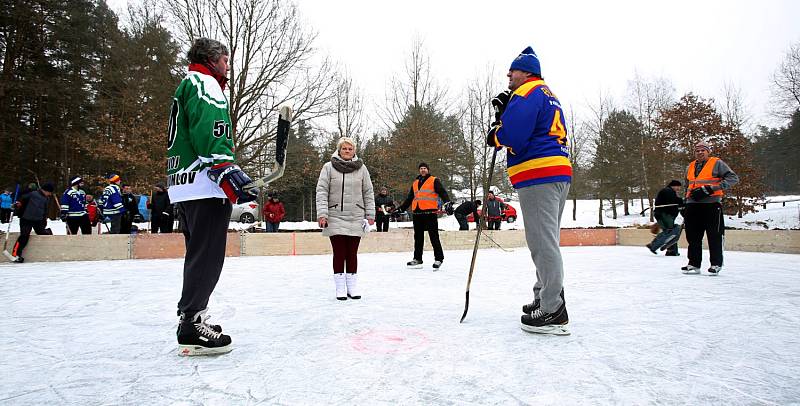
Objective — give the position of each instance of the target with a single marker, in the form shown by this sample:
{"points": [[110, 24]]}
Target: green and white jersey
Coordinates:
{"points": [[199, 138]]}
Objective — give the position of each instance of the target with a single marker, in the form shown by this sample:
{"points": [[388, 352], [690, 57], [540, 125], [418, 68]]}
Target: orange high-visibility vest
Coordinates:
{"points": [[703, 178], [425, 197]]}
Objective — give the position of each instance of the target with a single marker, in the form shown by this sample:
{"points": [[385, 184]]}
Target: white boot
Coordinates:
{"points": [[352, 287], [341, 289]]}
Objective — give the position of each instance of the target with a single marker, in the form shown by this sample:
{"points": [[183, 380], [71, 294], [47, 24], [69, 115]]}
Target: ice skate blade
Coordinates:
{"points": [[414, 266], [194, 350], [354, 297], [691, 271], [553, 329]]}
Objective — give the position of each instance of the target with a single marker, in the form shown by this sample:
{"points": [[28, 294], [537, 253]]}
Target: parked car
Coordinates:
{"points": [[508, 215], [245, 212]]}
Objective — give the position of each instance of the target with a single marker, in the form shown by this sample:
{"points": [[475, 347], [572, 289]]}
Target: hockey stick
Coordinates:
{"points": [[281, 141], [496, 243], [479, 227], [658, 207], [8, 230]]}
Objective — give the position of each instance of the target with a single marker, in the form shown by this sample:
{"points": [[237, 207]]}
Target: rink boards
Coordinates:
{"points": [[147, 246]]}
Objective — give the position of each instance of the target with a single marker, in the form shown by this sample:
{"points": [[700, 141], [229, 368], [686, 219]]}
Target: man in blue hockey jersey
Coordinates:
{"points": [[73, 208]]}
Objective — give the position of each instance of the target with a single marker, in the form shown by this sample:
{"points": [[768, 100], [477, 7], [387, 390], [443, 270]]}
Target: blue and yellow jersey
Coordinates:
{"points": [[533, 130]]}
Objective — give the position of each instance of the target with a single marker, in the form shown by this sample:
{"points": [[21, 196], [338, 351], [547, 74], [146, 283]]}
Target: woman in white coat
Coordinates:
{"points": [[345, 210]]}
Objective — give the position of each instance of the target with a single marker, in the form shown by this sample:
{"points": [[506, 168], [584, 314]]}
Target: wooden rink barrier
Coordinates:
{"points": [[53, 248]]}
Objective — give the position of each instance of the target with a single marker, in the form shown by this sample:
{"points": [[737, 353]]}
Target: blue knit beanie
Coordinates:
{"points": [[527, 61]]}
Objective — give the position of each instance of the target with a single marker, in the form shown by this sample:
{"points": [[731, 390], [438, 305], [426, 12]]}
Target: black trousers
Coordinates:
{"points": [[126, 224], [161, 224], [25, 227], [493, 224], [116, 224], [462, 222], [205, 230], [79, 223], [704, 218], [427, 222], [382, 222], [5, 215]]}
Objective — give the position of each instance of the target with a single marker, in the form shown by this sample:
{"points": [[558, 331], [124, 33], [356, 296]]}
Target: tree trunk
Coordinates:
{"points": [[574, 209], [641, 202], [625, 201], [600, 213], [614, 207]]}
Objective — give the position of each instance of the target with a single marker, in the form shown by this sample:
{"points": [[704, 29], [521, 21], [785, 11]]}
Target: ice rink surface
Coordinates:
{"points": [[90, 333]]}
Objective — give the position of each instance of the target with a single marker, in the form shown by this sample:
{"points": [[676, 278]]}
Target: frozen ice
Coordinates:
{"points": [[90, 333]]}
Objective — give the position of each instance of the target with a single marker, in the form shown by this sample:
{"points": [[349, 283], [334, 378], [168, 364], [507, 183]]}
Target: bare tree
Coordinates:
{"points": [[786, 82], [348, 106], [600, 110], [734, 112], [476, 116], [414, 87], [272, 62], [579, 151], [647, 97]]}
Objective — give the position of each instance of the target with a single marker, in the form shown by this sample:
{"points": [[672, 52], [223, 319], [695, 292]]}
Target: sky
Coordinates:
{"points": [[584, 46]]}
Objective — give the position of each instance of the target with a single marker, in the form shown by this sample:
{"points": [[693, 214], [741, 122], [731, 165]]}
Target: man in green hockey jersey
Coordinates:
{"points": [[204, 182]]}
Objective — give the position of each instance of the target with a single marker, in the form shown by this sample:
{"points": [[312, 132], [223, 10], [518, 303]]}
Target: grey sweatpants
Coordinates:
{"points": [[542, 206]]}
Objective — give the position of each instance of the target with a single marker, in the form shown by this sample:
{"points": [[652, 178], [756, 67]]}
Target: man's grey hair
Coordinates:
{"points": [[206, 49]]}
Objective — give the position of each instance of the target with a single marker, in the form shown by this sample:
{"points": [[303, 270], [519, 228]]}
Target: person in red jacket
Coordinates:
{"points": [[273, 213], [91, 209]]}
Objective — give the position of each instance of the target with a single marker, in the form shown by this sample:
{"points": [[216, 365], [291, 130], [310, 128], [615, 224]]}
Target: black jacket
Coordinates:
{"points": [[385, 201], [161, 205], [437, 187], [668, 196], [494, 208], [467, 207], [34, 206], [130, 203]]}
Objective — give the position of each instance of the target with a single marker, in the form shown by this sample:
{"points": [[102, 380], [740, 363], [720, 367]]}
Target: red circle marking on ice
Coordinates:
{"points": [[388, 341]]}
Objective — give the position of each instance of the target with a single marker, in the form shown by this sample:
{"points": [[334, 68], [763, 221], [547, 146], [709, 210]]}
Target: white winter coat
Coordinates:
{"points": [[345, 199]]}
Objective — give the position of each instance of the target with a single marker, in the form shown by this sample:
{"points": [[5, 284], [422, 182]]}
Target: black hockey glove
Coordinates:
{"points": [[491, 139], [448, 208], [701, 193], [500, 102], [232, 181]]}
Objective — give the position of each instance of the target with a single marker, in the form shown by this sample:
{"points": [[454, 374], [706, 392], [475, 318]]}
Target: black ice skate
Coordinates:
{"points": [[437, 265], [532, 306], [198, 338], [540, 322], [690, 270], [414, 264], [714, 270]]}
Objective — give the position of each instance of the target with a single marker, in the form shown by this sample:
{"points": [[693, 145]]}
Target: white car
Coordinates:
{"points": [[245, 212]]}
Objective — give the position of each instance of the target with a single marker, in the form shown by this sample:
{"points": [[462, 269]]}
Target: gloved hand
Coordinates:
{"points": [[701, 193], [63, 217], [500, 102], [233, 181], [448, 208], [490, 136]]}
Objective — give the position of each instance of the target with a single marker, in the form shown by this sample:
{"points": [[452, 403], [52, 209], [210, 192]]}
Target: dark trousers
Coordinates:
{"points": [[462, 222], [704, 218], [345, 253], [205, 223], [427, 222], [272, 227], [382, 222], [161, 224], [5, 215], [666, 222], [493, 224], [25, 227], [79, 223], [116, 224], [126, 225]]}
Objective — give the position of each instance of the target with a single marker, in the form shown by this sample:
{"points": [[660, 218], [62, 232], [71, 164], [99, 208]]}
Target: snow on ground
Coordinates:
{"points": [[775, 216], [89, 333]]}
